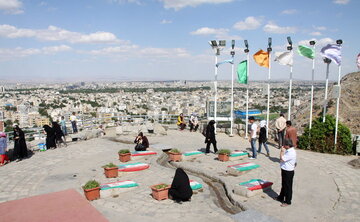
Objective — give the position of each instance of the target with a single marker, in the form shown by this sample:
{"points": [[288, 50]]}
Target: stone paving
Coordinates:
{"points": [[325, 186]]}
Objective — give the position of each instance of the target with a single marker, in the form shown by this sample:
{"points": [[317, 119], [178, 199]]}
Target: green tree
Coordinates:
{"points": [[321, 137]]}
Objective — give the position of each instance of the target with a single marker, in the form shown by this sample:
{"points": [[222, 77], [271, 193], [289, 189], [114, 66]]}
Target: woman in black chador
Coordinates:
{"points": [[20, 148], [50, 137], [180, 188], [58, 134], [210, 137]]}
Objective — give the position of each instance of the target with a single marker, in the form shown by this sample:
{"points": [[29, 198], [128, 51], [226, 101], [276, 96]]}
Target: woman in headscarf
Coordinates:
{"points": [[50, 137], [181, 122], [20, 148], [180, 188], [58, 134], [263, 138], [142, 143], [210, 137], [3, 147]]}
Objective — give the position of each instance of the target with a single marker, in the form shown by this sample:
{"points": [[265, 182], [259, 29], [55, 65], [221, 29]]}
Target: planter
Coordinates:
{"points": [[160, 194], [111, 172], [176, 157], [223, 157], [124, 157], [92, 194]]}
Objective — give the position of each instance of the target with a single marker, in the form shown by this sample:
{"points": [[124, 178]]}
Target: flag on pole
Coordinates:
{"points": [[333, 52], [262, 58], [284, 58], [242, 72], [358, 61], [306, 51], [231, 61]]}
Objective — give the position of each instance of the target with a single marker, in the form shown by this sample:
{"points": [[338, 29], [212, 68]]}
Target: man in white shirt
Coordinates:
{"points": [[280, 125], [287, 165], [252, 139], [73, 122]]}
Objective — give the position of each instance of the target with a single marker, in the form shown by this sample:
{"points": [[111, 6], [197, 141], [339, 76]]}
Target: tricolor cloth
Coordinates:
{"points": [[238, 153], [244, 166], [333, 52], [143, 153], [256, 184], [131, 167], [284, 58], [192, 153], [262, 58], [195, 185], [306, 51], [118, 184]]}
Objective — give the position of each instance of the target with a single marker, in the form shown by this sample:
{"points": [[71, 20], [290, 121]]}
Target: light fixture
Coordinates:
{"points": [[246, 46], [269, 49], [339, 41], [222, 43], [327, 61], [290, 43], [312, 42]]}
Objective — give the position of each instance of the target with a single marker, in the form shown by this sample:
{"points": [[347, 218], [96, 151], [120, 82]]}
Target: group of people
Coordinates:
{"points": [[193, 122], [54, 135], [20, 148]]}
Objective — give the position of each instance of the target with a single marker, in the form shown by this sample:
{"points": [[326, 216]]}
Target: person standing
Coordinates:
{"points": [[210, 137], [59, 135], [263, 138], [194, 122], [50, 137], [73, 122], [291, 133], [287, 165], [280, 125], [63, 125], [181, 122], [20, 148], [252, 139], [3, 148]]}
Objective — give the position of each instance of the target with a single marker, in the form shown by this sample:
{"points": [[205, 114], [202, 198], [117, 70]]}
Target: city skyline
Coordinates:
{"points": [[138, 40]]}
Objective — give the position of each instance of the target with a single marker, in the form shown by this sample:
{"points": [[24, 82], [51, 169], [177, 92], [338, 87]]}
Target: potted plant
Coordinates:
{"points": [[124, 155], [175, 155], [223, 155], [111, 170], [92, 190], [160, 191]]}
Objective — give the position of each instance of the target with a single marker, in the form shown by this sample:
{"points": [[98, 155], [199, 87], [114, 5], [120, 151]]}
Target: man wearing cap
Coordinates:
{"points": [[280, 125]]}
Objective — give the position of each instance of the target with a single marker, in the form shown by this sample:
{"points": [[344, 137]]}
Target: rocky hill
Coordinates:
{"points": [[349, 111]]}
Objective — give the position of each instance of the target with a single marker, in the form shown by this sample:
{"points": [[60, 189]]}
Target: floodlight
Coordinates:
{"points": [[312, 42], [232, 53], [213, 43], [246, 44], [327, 61], [222, 43], [339, 41], [289, 40], [269, 42], [233, 44]]}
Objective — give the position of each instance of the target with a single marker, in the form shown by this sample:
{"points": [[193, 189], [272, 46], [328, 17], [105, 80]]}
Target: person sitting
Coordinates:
{"points": [[142, 143], [181, 122], [194, 122], [180, 188]]}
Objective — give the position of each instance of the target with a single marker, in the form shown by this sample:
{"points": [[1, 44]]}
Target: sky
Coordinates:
{"points": [[121, 40]]}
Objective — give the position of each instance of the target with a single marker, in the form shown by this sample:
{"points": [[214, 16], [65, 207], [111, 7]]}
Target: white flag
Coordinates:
{"points": [[333, 52], [284, 58]]}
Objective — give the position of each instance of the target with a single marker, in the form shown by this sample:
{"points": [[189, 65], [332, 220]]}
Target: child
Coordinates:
{"points": [[3, 146], [262, 137]]}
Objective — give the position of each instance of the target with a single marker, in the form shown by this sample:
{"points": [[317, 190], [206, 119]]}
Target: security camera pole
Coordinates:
{"points": [[232, 53], [312, 85], [269, 49], [247, 87], [339, 42], [327, 61], [291, 73]]}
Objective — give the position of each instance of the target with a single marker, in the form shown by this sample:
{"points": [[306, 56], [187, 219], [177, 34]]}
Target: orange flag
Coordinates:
{"points": [[262, 58]]}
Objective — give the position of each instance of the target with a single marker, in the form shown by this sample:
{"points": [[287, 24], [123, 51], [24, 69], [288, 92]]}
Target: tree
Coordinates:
{"points": [[321, 137]]}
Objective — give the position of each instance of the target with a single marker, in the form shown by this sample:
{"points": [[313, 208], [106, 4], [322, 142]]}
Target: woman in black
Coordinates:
{"points": [[210, 137], [58, 133], [180, 188], [50, 137], [20, 148], [142, 143]]}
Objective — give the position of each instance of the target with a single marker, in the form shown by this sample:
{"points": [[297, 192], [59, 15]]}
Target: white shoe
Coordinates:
{"points": [[252, 158]]}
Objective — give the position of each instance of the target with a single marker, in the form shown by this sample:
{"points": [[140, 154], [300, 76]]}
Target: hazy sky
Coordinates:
{"points": [[166, 39]]}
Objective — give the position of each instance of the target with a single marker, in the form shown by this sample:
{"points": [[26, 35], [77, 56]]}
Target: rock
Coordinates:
{"points": [[158, 129]]}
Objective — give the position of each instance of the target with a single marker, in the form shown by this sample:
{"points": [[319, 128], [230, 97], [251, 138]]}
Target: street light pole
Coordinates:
{"points": [[247, 88], [339, 42], [269, 49], [232, 53], [327, 61], [290, 82], [312, 85]]}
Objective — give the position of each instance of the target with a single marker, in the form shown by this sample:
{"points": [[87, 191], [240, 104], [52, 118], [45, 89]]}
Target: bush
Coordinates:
{"points": [[123, 151], [109, 165], [91, 184], [175, 151], [321, 137], [224, 151], [161, 186]]}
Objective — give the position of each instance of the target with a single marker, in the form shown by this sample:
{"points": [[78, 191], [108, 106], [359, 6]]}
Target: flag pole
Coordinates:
{"points": [[312, 85], [232, 88], [247, 88], [291, 74], [339, 42], [215, 86], [269, 49], [327, 61]]}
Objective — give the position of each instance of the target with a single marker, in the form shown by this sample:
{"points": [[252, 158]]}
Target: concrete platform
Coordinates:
{"points": [[64, 206]]}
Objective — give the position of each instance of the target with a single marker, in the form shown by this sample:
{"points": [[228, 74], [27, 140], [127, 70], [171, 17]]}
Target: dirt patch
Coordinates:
{"points": [[114, 139], [355, 163]]}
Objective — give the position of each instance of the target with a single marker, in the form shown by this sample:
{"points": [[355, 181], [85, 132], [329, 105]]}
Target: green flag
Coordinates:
{"points": [[306, 51], [242, 72]]}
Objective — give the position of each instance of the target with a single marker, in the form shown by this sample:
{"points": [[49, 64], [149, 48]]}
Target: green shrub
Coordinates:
{"points": [[321, 137], [161, 186], [123, 151], [175, 151], [91, 184], [109, 165], [224, 151]]}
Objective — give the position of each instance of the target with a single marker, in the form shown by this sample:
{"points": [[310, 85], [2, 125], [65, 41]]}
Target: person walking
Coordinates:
{"points": [[3, 148], [252, 138], [287, 165], [63, 125], [73, 120], [280, 126], [20, 148], [291, 133], [263, 138], [210, 137]]}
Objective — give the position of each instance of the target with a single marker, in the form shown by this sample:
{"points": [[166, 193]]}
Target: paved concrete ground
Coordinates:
{"points": [[325, 186]]}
